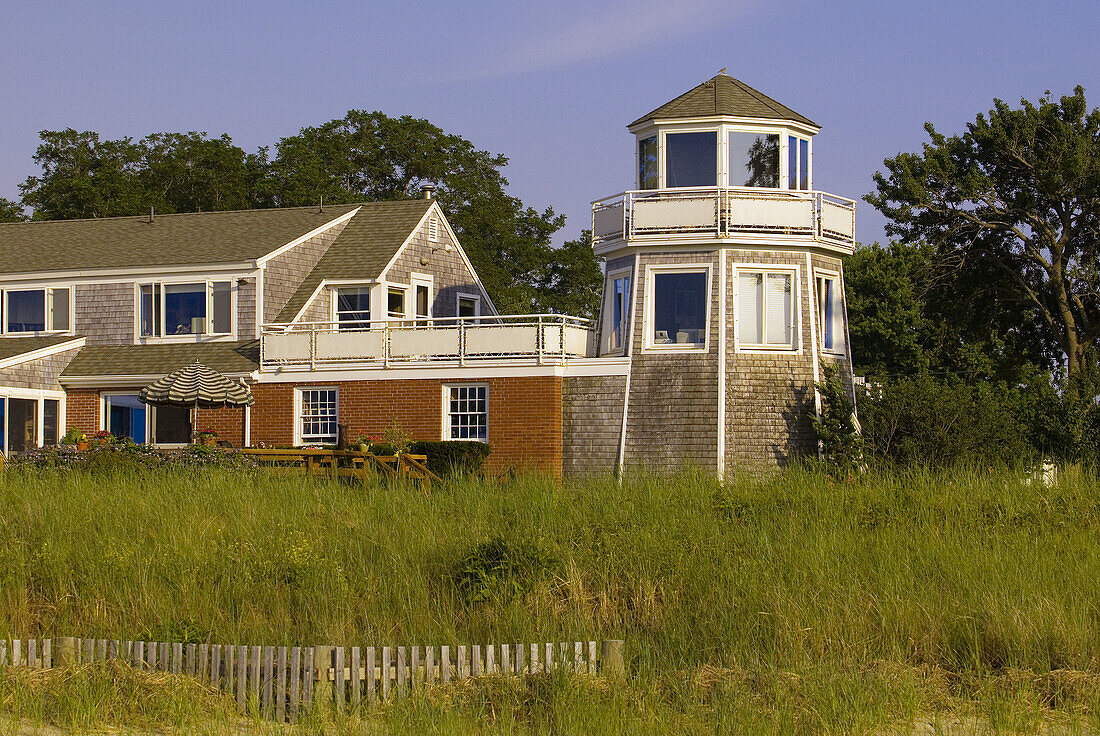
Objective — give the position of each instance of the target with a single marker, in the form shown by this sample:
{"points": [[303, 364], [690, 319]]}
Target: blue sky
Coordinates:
{"points": [[550, 85]]}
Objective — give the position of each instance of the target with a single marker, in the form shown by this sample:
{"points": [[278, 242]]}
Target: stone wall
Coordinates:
{"points": [[525, 415], [40, 374], [672, 418], [284, 273], [105, 313], [592, 415]]}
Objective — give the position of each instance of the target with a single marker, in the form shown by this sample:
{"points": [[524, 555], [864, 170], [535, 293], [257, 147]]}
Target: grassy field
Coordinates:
{"points": [[787, 605]]}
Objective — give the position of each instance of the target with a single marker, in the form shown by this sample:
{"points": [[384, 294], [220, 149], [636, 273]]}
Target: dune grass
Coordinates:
{"points": [[791, 604]]}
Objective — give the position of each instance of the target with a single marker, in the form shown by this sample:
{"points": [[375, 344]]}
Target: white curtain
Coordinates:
{"points": [[780, 316], [750, 308]]}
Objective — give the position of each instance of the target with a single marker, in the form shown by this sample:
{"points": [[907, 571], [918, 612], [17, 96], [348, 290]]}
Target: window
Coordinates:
{"points": [[203, 308], [766, 304], [678, 304], [395, 302], [618, 310], [36, 310], [469, 305], [423, 311], [829, 313], [798, 163], [467, 412], [317, 415], [22, 424], [691, 159], [126, 416], [753, 159], [353, 307], [50, 422], [647, 163]]}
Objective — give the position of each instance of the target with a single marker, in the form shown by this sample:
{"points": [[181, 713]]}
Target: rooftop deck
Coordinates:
{"points": [[741, 214], [538, 339]]}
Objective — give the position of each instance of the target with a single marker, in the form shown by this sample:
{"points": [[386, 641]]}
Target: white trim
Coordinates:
{"points": [[435, 372], [404, 289], [76, 342], [191, 337], [307, 304], [445, 429], [302, 238], [652, 270], [39, 396], [405, 243], [260, 301], [626, 384], [297, 418], [134, 381], [813, 335], [47, 320], [795, 270], [607, 311], [417, 280], [840, 310], [723, 285], [121, 275]]}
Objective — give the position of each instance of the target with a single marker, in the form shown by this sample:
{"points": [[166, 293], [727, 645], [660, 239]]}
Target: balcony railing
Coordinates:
{"points": [[537, 338], [745, 213]]}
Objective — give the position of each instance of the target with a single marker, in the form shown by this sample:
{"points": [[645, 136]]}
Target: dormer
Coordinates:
{"points": [[724, 133]]}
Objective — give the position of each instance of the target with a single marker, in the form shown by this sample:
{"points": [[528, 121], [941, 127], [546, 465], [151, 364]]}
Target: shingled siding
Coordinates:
{"points": [[525, 415], [769, 397], [40, 373], [449, 271], [285, 272], [592, 415], [246, 309], [673, 412], [105, 313]]}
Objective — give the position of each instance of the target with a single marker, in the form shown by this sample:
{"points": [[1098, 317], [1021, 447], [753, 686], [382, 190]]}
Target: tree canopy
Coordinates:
{"points": [[1011, 211], [364, 156]]}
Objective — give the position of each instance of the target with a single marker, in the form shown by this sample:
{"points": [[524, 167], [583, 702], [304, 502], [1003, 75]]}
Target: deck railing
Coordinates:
{"points": [[724, 212], [541, 338]]}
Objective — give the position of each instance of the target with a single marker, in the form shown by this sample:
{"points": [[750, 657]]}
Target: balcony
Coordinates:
{"points": [[748, 215], [539, 339]]}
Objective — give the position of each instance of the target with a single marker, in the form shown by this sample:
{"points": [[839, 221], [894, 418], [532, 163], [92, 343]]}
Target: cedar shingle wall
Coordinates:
{"points": [[449, 272], [105, 313], [284, 273], [592, 416], [525, 415], [38, 374]]}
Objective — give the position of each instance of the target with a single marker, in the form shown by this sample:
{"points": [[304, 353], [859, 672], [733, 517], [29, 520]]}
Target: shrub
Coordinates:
{"points": [[841, 444], [453, 457], [129, 457], [501, 569]]}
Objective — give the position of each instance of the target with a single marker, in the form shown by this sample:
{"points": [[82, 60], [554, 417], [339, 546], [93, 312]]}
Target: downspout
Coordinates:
{"points": [[812, 291], [628, 352], [722, 316]]}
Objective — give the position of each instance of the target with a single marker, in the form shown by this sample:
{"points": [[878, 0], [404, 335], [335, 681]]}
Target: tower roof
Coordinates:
{"points": [[724, 95]]}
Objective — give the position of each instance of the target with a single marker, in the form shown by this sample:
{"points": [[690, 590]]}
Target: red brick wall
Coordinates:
{"points": [[82, 410], [525, 415], [228, 423]]}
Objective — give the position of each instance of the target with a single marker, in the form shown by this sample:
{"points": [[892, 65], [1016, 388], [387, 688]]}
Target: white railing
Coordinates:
{"points": [[541, 338], [724, 212]]}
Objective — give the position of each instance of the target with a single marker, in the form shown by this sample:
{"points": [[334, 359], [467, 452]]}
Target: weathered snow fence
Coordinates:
{"points": [[278, 682]]}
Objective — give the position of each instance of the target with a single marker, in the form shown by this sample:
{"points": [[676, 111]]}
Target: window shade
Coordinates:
{"points": [[750, 308], [780, 313]]}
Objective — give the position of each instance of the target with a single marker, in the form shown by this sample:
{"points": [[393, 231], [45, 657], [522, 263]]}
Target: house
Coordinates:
{"points": [[723, 299]]}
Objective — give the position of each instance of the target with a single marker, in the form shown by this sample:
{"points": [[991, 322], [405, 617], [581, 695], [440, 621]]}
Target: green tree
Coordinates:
{"points": [[189, 172], [1012, 208], [11, 211]]}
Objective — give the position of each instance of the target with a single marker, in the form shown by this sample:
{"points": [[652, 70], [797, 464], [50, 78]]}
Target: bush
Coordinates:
{"points": [[452, 458], [129, 457], [501, 569], [841, 444]]}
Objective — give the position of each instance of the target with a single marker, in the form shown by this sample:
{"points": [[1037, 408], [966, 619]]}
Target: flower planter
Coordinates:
{"points": [[81, 446]]}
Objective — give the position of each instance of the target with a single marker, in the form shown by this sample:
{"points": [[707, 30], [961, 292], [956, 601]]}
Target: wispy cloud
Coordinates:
{"points": [[606, 30]]}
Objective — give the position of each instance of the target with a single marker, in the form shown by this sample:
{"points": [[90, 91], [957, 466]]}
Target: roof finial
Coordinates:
{"points": [[321, 206]]}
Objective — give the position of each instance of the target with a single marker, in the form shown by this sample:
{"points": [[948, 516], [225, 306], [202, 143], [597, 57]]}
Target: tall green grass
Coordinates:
{"points": [[840, 605]]}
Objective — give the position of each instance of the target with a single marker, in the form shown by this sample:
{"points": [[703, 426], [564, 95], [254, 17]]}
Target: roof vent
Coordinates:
{"points": [[152, 214], [428, 190]]}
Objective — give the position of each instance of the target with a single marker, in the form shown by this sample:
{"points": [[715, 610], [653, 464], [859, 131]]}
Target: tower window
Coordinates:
{"points": [[647, 163], [753, 159], [677, 308], [691, 159]]}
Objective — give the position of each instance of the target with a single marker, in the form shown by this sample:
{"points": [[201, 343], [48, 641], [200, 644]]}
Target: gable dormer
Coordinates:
{"points": [[724, 133]]}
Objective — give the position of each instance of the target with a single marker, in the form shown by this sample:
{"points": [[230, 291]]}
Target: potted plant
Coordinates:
{"points": [[206, 437], [75, 437], [367, 441], [104, 437]]}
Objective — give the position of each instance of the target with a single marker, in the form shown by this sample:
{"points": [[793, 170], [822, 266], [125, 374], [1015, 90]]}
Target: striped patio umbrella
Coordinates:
{"points": [[196, 385]]}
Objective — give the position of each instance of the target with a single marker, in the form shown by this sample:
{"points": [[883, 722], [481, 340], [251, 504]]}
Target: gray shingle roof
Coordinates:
{"points": [[724, 95], [170, 240], [241, 356], [363, 249], [13, 346]]}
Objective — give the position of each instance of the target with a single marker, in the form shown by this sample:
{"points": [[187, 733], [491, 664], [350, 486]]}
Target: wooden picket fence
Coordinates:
{"points": [[278, 682]]}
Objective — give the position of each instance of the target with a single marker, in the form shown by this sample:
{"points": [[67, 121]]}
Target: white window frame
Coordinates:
{"points": [[46, 316], [159, 284], [838, 348], [784, 161], [792, 270], [609, 310], [418, 280], [334, 300], [476, 298], [651, 272], [405, 288], [446, 428], [299, 439], [40, 397]]}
